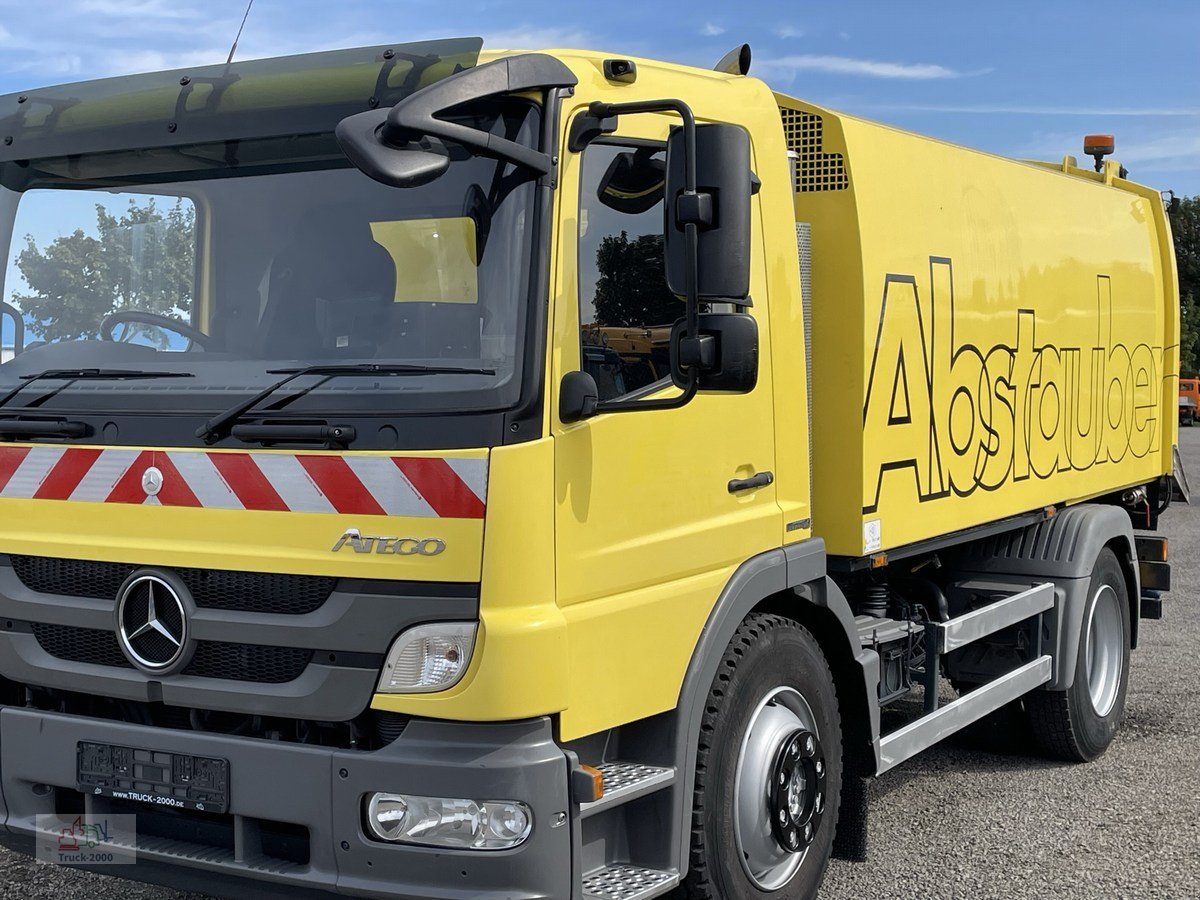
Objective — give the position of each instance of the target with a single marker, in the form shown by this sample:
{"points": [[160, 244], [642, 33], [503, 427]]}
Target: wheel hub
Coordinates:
{"points": [[779, 788], [797, 800]]}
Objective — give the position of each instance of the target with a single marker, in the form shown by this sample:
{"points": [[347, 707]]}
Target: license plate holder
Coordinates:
{"points": [[154, 777]]}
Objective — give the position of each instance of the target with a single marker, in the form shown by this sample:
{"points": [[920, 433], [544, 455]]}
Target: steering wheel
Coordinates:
{"points": [[139, 317]]}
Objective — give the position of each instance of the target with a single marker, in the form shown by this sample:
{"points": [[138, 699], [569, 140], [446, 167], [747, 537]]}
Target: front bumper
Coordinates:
{"points": [[321, 790]]}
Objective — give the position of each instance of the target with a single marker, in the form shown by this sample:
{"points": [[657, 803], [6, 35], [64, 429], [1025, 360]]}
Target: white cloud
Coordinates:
{"points": [[846, 65], [532, 37], [1034, 110], [138, 9], [128, 62], [712, 29], [789, 31], [1143, 151], [1170, 152]]}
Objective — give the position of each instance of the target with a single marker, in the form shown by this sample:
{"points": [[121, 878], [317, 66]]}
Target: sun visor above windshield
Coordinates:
{"points": [[435, 259], [290, 95]]}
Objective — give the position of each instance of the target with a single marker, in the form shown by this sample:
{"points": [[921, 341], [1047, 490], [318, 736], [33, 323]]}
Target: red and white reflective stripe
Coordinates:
{"points": [[426, 486]]}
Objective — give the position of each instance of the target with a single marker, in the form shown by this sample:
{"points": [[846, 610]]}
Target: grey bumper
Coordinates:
{"points": [[320, 789]]}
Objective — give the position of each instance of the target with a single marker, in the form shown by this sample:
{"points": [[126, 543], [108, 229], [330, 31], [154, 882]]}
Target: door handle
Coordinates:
{"points": [[757, 480]]}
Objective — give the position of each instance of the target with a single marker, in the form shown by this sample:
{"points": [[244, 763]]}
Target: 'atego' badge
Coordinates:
{"points": [[395, 546]]}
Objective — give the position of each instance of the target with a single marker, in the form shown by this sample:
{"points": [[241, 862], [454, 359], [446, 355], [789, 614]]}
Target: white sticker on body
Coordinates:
{"points": [[872, 535]]}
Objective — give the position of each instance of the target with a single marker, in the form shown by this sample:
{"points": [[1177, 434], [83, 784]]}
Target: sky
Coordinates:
{"points": [[1016, 77], [1019, 78]]}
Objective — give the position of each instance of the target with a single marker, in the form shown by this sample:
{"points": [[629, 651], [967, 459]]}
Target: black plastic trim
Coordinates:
{"points": [[843, 564]]}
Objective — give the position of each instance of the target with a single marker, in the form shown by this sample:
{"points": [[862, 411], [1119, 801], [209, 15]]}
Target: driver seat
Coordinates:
{"points": [[330, 293]]}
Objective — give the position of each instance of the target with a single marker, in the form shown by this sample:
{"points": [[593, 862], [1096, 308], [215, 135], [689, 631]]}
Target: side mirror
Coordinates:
{"points": [[578, 397], [633, 182], [720, 210], [729, 341]]}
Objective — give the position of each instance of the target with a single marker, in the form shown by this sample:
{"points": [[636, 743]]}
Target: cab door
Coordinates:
{"points": [[649, 527]]}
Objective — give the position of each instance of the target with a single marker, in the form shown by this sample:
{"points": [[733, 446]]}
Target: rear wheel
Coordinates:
{"points": [[769, 768], [1080, 722]]}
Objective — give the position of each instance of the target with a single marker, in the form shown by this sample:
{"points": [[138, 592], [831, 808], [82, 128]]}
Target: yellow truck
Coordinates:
{"points": [[340, 553]]}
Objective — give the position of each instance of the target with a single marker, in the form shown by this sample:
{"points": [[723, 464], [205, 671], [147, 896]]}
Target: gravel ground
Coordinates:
{"points": [[979, 818]]}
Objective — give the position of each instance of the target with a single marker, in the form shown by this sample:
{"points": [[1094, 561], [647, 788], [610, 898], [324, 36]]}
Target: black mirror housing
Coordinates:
{"points": [[720, 209], [723, 356], [578, 397]]}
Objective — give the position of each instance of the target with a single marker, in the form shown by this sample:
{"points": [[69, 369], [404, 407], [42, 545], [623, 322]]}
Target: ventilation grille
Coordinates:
{"points": [[804, 248], [212, 659], [815, 169], [261, 592]]}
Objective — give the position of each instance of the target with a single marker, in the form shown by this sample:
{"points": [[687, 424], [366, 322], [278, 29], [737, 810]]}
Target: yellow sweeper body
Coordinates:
{"points": [[1008, 331]]}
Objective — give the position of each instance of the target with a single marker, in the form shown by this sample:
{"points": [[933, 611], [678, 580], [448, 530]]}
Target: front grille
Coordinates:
{"points": [[262, 592], [212, 659], [83, 645], [247, 662]]}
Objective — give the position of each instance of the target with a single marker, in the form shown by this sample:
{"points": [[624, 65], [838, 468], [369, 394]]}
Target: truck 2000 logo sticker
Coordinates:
{"points": [[964, 417]]}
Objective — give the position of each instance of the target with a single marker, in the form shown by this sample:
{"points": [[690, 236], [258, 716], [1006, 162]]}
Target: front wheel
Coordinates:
{"points": [[1080, 722], [769, 768]]}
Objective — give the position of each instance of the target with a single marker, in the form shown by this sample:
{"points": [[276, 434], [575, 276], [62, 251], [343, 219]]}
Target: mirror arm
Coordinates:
{"points": [[368, 138], [690, 199], [417, 114], [685, 396]]}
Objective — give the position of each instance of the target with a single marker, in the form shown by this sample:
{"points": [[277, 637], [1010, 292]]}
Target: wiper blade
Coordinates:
{"points": [[86, 375], [221, 425]]}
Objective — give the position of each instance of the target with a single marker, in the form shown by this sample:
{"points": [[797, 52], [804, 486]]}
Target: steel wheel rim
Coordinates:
{"points": [[767, 864], [1104, 649]]}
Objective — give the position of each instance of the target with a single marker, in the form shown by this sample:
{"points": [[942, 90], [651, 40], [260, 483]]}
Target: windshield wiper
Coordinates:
{"points": [[222, 425], [85, 375]]}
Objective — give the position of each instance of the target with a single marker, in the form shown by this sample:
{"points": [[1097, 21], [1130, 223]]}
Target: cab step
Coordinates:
{"points": [[625, 882], [625, 781]]}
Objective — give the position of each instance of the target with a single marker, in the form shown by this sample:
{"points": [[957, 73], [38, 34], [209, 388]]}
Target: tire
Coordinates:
{"points": [[773, 669], [1079, 723]]}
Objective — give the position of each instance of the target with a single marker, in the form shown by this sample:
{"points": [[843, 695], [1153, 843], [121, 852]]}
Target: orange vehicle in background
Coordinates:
{"points": [[1189, 400]]}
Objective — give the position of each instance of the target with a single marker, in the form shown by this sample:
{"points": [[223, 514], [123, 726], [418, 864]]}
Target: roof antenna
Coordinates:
{"points": [[238, 36]]}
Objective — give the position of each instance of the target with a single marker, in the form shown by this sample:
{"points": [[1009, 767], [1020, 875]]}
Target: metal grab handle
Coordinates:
{"points": [[757, 480]]}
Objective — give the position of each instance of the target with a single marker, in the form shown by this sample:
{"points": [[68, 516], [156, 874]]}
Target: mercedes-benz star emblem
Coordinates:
{"points": [[152, 480], [151, 623]]}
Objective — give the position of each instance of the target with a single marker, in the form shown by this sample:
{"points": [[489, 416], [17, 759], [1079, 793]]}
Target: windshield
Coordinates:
{"points": [[226, 261]]}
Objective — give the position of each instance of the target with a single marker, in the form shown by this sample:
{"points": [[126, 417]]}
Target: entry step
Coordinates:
{"points": [[622, 882], [625, 781]]}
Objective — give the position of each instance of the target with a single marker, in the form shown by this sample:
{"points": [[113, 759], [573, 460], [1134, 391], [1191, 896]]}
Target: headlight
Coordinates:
{"points": [[428, 658], [448, 822]]}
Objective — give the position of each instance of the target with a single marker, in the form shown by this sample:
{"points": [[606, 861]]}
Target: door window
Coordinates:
{"points": [[626, 309]]}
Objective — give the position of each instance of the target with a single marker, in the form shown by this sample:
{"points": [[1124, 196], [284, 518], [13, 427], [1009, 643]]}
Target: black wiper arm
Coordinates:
{"points": [[86, 375], [220, 425]]}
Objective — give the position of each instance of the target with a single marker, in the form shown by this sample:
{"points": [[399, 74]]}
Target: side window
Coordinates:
{"points": [[625, 308]]}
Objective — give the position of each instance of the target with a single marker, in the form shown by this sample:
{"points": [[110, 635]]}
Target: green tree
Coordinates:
{"points": [[141, 259], [632, 289], [1185, 226]]}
